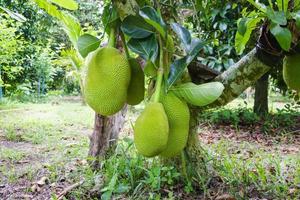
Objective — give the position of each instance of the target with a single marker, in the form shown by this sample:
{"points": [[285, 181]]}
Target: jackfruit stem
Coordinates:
{"points": [[158, 85], [125, 45], [160, 71], [112, 38]]}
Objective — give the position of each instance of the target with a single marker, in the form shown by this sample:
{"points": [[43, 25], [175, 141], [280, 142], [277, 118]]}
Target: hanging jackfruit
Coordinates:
{"points": [[107, 80], [178, 117], [291, 71], [151, 130], [136, 88]]}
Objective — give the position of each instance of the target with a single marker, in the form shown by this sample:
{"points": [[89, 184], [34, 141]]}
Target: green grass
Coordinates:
{"points": [[11, 155], [54, 138]]}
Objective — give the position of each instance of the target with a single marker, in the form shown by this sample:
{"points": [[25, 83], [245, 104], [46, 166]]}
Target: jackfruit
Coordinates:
{"points": [[178, 117], [136, 88], [106, 81], [151, 130], [291, 71]]}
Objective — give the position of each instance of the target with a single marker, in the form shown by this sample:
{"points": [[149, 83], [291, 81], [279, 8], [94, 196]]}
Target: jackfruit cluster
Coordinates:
{"points": [[107, 80], [162, 128], [291, 71]]}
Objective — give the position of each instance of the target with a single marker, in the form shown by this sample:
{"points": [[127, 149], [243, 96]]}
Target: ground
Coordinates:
{"points": [[43, 151]]}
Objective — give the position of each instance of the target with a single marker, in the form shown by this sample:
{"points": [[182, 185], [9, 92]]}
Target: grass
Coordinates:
{"points": [[54, 138]]}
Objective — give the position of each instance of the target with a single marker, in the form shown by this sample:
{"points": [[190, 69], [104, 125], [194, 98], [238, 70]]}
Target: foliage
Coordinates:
{"points": [[11, 45], [283, 121], [215, 22], [278, 17]]}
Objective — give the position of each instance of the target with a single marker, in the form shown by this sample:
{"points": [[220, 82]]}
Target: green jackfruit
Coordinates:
{"points": [[179, 117], [106, 81], [136, 88], [291, 71], [151, 130]]}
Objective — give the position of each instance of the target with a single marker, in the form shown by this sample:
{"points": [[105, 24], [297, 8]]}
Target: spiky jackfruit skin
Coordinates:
{"points": [[136, 88], [291, 72], [179, 117], [151, 130], [106, 81]]}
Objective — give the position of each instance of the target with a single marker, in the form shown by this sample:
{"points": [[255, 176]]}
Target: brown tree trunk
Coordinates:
{"points": [[105, 135], [236, 79], [261, 95]]}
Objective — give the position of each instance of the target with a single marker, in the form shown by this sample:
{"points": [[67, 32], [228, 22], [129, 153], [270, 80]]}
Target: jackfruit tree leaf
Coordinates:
{"points": [[176, 70], [183, 34], [136, 27], [14, 15], [282, 35], [199, 95], [147, 48], [194, 48], [154, 19], [68, 4], [178, 66], [109, 17], [86, 44]]}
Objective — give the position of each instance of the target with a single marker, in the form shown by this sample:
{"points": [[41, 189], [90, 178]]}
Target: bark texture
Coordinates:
{"points": [[240, 76], [105, 135], [195, 155], [261, 95]]}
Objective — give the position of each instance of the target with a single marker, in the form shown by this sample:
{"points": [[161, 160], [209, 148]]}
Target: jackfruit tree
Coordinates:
{"points": [[145, 45]]}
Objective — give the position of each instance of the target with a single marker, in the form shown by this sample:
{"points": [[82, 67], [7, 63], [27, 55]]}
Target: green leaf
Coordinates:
{"points": [[277, 17], [178, 66], [109, 17], [296, 17], [282, 35], [154, 19], [193, 49], [242, 25], [86, 44], [147, 48], [282, 5], [242, 40], [68, 4], [183, 34], [191, 45], [70, 24], [199, 95], [136, 27], [14, 15], [176, 70], [258, 5]]}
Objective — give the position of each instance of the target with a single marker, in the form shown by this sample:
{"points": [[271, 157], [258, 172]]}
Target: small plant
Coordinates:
{"points": [[281, 20]]}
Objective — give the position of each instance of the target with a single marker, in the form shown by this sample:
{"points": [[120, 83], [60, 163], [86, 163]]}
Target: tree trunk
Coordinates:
{"points": [[195, 155], [261, 95], [236, 79], [105, 135]]}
